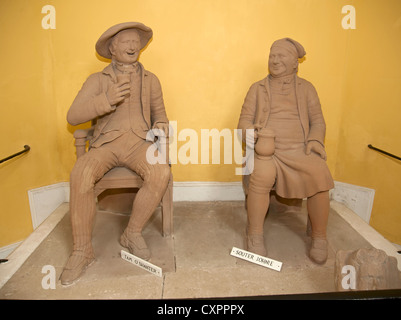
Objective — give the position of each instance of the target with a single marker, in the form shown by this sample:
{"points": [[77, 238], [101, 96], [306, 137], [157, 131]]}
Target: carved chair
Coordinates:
{"points": [[121, 178]]}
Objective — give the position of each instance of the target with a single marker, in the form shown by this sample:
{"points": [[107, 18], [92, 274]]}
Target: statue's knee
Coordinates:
{"points": [[83, 175], [158, 176], [262, 182], [163, 173], [76, 173]]}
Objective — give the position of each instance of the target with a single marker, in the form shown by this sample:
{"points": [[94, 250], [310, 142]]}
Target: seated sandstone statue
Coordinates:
{"points": [[126, 100], [284, 113]]}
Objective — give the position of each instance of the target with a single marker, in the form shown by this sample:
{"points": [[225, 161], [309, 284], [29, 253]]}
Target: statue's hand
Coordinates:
{"points": [[317, 148], [251, 140], [117, 92]]}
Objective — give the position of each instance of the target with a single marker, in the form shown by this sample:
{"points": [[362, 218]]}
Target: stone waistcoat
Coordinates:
{"points": [[128, 114]]}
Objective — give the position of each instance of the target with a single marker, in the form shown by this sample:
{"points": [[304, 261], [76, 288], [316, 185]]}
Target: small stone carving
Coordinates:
{"points": [[366, 269]]}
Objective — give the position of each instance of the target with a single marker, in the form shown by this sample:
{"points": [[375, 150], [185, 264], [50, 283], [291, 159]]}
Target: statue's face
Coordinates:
{"points": [[126, 46], [282, 62]]}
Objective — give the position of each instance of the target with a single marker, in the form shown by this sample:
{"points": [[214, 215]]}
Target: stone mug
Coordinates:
{"points": [[265, 144]]}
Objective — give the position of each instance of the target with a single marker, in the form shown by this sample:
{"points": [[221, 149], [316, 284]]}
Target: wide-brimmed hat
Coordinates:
{"points": [[102, 45]]}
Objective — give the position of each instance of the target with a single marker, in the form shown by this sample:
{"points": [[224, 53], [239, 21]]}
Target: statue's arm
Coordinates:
{"points": [[248, 111], [317, 125], [90, 102]]}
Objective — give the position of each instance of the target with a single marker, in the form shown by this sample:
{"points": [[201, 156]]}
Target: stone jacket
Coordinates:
{"points": [[91, 101], [256, 109]]}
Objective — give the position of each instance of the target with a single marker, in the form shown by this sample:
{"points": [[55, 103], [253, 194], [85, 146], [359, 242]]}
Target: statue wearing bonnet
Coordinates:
{"points": [[284, 113]]}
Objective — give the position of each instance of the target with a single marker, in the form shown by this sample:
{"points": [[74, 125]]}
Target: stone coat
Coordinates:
{"points": [[256, 109], [298, 175]]}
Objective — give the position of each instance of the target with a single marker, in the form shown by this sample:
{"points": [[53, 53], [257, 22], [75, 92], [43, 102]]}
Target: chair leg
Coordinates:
{"points": [[167, 210]]}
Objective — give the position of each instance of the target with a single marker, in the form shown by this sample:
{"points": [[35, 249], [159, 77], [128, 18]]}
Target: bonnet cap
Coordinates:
{"points": [[291, 45]]}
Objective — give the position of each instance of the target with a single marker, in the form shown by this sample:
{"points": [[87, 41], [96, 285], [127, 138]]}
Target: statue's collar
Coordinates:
{"points": [[109, 70], [287, 79], [125, 68]]}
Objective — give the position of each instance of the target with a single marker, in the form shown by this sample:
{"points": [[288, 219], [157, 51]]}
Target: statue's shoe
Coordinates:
{"points": [[256, 244], [318, 252], [136, 245], [76, 265]]}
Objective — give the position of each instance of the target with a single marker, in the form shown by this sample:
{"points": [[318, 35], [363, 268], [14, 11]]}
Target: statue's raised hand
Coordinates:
{"points": [[117, 92]]}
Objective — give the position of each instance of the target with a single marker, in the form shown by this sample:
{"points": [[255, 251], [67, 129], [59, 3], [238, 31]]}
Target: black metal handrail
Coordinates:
{"points": [[384, 152], [26, 149]]}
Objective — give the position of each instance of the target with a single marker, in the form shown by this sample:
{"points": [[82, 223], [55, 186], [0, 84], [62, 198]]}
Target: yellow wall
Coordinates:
{"points": [[206, 54]]}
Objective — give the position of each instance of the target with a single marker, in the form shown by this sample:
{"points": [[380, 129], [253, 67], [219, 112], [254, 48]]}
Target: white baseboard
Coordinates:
{"points": [[44, 200], [5, 251], [208, 191], [358, 199]]}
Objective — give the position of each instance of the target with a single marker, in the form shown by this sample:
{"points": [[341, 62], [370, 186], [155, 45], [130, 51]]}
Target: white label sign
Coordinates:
{"points": [[141, 263], [255, 258]]}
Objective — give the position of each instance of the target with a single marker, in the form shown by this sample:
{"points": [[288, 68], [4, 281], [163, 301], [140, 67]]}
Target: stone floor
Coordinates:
{"points": [[196, 261]]}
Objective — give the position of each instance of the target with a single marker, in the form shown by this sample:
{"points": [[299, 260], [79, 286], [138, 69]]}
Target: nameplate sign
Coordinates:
{"points": [[141, 263], [257, 259]]}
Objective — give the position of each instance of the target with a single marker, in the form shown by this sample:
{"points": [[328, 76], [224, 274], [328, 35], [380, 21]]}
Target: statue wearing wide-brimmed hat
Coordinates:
{"points": [[126, 100]]}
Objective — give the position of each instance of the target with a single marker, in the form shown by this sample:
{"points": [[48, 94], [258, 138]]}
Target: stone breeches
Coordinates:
{"points": [[125, 151]]}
